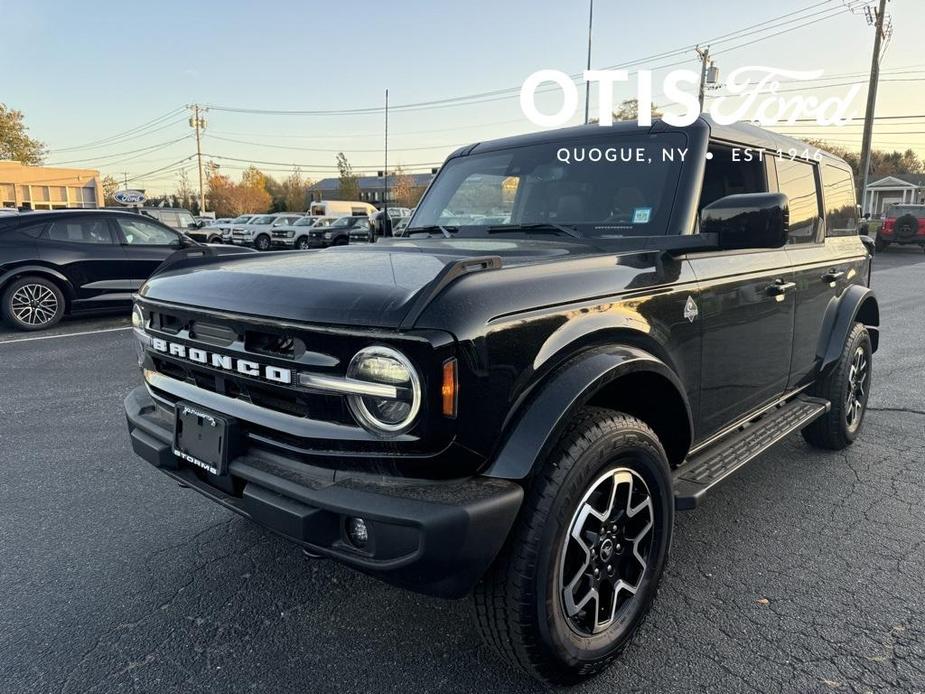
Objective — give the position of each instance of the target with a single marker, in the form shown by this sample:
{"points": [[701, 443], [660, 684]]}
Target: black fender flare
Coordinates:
{"points": [[63, 282], [543, 417], [857, 303]]}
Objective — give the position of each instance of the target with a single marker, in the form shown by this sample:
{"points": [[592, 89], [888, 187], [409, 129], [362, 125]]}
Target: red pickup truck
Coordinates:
{"points": [[903, 224]]}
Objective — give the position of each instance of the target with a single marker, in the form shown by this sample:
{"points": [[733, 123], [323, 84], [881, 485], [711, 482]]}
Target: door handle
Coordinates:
{"points": [[779, 287], [832, 275]]}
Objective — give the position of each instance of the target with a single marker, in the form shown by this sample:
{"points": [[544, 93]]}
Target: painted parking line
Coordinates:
{"points": [[55, 337]]}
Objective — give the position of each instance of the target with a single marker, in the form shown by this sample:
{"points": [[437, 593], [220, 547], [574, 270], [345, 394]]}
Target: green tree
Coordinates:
{"points": [[185, 195], [110, 186], [629, 110], [349, 188], [294, 188], [15, 142]]}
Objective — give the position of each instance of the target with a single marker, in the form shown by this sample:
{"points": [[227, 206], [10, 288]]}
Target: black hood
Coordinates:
{"points": [[373, 286]]}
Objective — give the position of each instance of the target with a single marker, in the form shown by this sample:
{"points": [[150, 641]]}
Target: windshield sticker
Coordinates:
{"points": [[642, 215]]}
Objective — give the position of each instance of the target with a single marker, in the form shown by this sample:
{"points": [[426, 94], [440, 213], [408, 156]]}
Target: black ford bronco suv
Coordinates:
{"points": [[582, 331]]}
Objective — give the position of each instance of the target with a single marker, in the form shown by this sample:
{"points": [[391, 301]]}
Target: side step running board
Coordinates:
{"points": [[699, 474]]}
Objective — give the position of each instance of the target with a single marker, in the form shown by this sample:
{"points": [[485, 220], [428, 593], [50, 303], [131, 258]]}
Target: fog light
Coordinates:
{"points": [[357, 532]]}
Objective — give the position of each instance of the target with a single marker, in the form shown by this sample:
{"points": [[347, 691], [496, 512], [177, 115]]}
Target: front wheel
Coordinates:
{"points": [[582, 566], [880, 246], [302, 243], [262, 243], [847, 387]]}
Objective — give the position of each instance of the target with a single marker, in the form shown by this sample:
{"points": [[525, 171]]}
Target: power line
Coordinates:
{"points": [[335, 151], [500, 94], [131, 131], [120, 154], [314, 167]]}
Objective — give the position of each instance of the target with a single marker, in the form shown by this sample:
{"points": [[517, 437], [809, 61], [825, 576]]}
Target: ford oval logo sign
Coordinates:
{"points": [[129, 197]]}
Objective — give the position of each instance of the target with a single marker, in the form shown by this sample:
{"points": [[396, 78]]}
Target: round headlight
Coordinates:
{"points": [[385, 366], [138, 318]]}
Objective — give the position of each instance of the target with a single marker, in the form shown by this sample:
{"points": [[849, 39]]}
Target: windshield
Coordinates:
{"points": [[343, 222], [304, 222], [240, 220], [602, 187], [266, 219]]}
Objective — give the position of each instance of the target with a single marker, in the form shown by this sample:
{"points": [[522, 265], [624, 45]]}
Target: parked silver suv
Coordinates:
{"points": [[258, 232]]}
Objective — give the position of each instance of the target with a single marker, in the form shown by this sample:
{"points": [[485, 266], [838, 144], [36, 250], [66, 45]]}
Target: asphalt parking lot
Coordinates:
{"points": [[804, 573]]}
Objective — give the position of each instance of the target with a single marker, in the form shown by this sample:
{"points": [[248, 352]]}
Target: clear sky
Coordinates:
{"points": [[89, 71]]}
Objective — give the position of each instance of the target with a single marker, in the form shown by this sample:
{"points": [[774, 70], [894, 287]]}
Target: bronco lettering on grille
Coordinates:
{"points": [[222, 361]]}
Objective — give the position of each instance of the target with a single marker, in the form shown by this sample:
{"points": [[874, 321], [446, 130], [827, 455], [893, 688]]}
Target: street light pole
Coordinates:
{"points": [[588, 84]]}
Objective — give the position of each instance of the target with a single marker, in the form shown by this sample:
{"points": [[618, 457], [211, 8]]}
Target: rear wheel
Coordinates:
{"points": [[583, 564], [847, 387], [32, 303], [262, 243]]}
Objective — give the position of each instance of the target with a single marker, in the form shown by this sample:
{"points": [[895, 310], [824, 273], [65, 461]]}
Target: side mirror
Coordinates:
{"points": [[750, 220]]}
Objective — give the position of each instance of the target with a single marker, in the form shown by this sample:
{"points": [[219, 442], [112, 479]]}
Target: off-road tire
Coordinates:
{"points": [[832, 431], [51, 297], [880, 245], [517, 605]]}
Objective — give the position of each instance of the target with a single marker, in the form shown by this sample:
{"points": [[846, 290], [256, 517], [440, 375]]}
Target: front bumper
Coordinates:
{"points": [[434, 537]]}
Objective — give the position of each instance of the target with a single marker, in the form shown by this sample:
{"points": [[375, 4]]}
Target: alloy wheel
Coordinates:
{"points": [[858, 378], [34, 304], [606, 551]]}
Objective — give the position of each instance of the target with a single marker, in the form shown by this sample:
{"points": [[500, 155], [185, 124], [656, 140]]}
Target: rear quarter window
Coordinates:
{"points": [[841, 211], [13, 230]]}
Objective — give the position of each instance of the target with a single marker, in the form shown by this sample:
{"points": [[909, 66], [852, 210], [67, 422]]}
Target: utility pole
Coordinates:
{"points": [[199, 123], [588, 84], [385, 170], [125, 179], [704, 54], [871, 100]]}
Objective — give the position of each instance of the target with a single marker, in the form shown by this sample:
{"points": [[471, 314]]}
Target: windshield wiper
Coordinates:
{"points": [[537, 226], [446, 231]]}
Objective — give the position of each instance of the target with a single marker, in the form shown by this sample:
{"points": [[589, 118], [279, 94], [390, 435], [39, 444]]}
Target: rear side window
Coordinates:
{"points": [[841, 210], [86, 230], [12, 230], [797, 180]]}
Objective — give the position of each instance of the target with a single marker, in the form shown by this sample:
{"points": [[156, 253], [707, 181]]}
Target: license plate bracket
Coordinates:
{"points": [[204, 439]]}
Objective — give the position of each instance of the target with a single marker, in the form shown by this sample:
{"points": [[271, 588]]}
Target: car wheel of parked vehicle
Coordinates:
{"points": [[302, 243], [262, 243], [32, 303], [847, 387], [215, 239], [582, 567], [880, 245]]}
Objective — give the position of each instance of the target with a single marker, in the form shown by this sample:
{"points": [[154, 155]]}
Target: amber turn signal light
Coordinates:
{"points": [[449, 388]]}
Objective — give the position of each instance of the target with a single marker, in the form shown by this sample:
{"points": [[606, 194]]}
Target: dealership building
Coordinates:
{"points": [[371, 188], [48, 188]]}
